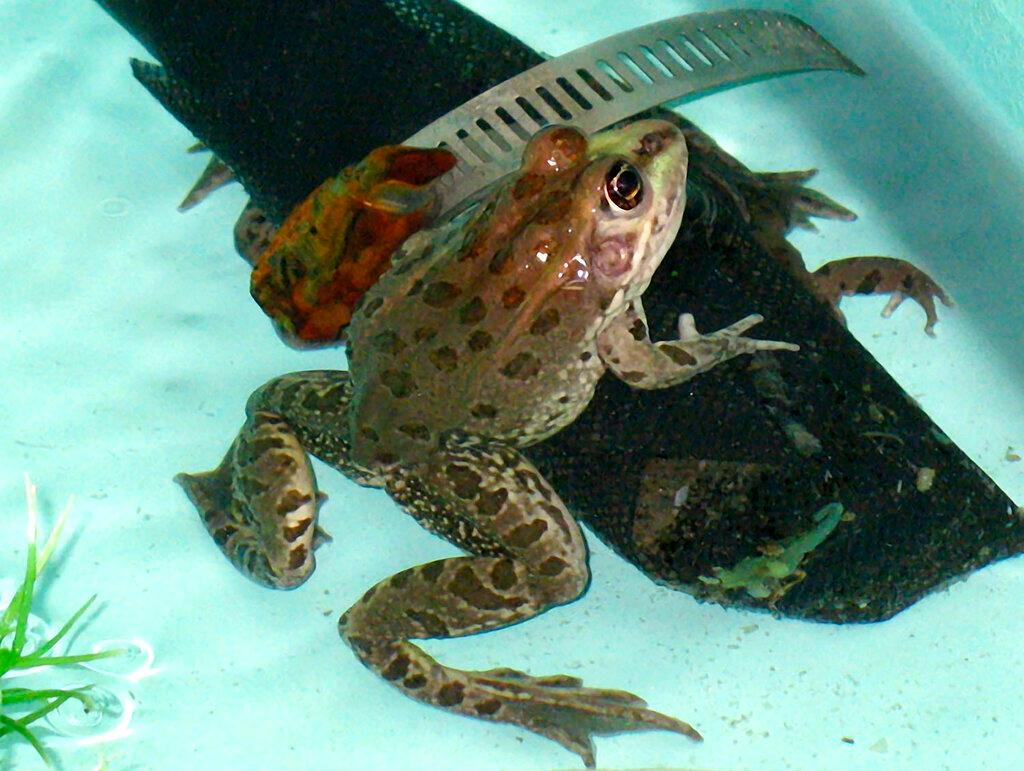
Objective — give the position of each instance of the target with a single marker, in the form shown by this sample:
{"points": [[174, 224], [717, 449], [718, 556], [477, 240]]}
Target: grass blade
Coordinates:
{"points": [[8, 725]]}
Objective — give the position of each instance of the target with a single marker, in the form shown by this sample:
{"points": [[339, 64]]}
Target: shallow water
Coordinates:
{"points": [[131, 344]]}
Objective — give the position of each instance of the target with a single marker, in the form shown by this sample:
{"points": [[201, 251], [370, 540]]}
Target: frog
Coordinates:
{"points": [[488, 333]]}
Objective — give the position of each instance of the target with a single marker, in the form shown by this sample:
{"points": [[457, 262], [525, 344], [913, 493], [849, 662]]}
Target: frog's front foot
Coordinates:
{"points": [[730, 339], [880, 275]]}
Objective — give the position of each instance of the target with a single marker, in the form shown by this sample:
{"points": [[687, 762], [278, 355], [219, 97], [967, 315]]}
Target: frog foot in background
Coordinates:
{"points": [[880, 275], [216, 175], [774, 203]]}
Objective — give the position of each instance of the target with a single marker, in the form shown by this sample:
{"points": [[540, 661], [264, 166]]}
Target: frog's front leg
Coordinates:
{"points": [[879, 275], [528, 555], [626, 348]]}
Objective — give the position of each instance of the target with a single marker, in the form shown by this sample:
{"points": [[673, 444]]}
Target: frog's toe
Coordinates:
{"points": [[260, 505], [800, 202], [560, 708], [687, 327]]}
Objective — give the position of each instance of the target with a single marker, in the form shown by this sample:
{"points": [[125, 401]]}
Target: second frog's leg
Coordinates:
{"points": [[626, 348], [528, 555], [879, 275]]}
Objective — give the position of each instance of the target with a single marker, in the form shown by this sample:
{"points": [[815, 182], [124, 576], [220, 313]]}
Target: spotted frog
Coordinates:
{"points": [[488, 334]]}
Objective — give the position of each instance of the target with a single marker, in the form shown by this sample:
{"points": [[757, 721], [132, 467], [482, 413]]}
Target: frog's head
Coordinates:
{"points": [[628, 190], [637, 175]]}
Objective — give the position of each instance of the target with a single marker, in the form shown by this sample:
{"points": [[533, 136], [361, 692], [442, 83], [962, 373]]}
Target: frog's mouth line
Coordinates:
{"points": [[613, 79]]}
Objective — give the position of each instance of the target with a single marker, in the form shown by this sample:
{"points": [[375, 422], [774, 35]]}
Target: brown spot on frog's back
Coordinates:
{"points": [[499, 261], [473, 311], [416, 431], [399, 383], [424, 334], [483, 411], [479, 341], [388, 342], [487, 708], [397, 669], [430, 623], [292, 533], [503, 575], [440, 294], [491, 502], [512, 297], [522, 366], [432, 570], [546, 320], [414, 682], [527, 187], [445, 358], [553, 566]]}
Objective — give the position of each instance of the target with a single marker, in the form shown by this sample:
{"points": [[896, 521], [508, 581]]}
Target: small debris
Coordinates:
{"points": [[925, 479], [1011, 456], [682, 494], [749, 628], [847, 740]]}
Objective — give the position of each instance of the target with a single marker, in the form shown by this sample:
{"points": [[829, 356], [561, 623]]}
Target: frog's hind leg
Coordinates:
{"points": [[528, 555], [261, 503]]}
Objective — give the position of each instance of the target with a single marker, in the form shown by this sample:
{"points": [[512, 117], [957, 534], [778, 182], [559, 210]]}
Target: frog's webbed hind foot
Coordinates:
{"points": [[784, 192], [562, 709], [773, 203], [880, 275], [260, 504]]}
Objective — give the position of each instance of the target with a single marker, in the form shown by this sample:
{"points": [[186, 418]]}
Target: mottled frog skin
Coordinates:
{"points": [[488, 334]]}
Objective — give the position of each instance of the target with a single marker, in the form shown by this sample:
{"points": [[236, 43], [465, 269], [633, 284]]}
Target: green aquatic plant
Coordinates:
{"points": [[21, 707]]}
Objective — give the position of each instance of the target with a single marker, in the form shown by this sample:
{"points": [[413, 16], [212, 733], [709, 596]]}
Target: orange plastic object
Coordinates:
{"points": [[339, 241]]}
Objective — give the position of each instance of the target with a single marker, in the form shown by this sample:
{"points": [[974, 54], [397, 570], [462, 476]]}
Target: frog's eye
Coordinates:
{"points": [[623, 186]]}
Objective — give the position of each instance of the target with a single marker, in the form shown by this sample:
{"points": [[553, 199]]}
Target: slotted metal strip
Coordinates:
{"points": [[618, 77]]}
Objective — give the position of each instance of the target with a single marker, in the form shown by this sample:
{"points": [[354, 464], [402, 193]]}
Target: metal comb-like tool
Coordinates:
{"points": [[612, 79]]}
